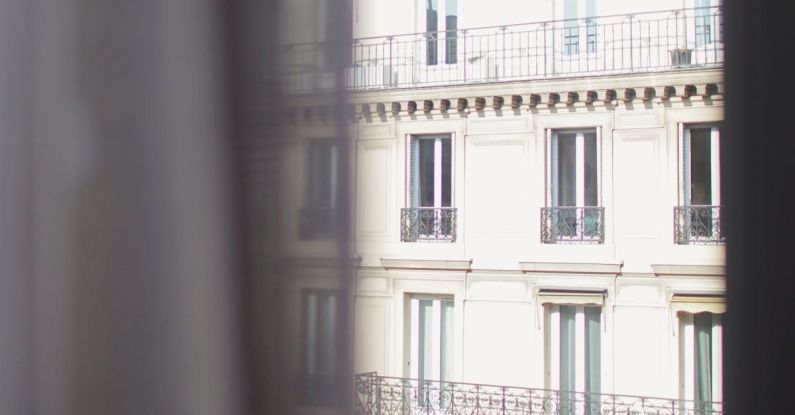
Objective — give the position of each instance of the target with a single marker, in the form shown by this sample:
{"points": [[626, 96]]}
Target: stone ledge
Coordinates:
{"points": [[671, 269], [451, 265], [573, 267]]}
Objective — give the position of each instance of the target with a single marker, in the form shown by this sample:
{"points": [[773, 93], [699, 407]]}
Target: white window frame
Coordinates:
{"points": [[552, 162], [441, 371], [685, 168], [551, 311], [687, 350], [552, 188], [437, 168]]}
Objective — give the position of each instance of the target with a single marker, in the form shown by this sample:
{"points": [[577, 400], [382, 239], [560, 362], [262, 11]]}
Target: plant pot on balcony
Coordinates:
{"points": [[681, 57]]}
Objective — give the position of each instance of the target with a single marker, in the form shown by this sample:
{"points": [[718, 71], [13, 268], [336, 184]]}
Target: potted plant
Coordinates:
{"points": [[681, 56]]}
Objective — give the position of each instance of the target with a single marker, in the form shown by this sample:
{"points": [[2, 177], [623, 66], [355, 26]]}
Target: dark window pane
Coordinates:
{"points": [[700, 166], [426, 172], [447, 172], [591, 170], [567, 189]]}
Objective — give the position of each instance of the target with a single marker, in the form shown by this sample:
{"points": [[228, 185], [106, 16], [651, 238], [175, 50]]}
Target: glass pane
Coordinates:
{"points": [[310, 332], [425, 338], [447, 166], [567, 356], [426, 173], [593, 349], [431, 28], [700, 166], [591, 170], [451, 27], [702, 323], [566, 172], [447, 340]]}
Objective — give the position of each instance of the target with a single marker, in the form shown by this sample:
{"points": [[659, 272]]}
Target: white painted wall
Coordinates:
{"points": [[499, 186]]}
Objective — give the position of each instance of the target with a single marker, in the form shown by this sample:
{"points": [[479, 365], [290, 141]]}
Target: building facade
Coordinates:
{"points": [[536, 206]]}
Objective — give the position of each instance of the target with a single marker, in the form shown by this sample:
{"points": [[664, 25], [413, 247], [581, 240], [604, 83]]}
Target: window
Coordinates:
{"points": [[571, 26], [318, 382], [317, 215], [573, 190], [431, 348], [572, 355], [571, 30], [698, 219], [447, 24], [430, 215], [703, 23], [700, 363], [590, 12]]}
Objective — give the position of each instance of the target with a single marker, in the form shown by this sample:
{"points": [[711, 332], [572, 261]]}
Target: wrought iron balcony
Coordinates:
{"points": [[382, 395], [317, 223], [572, 224], [427, 224], [616, 44], [698, 225]]}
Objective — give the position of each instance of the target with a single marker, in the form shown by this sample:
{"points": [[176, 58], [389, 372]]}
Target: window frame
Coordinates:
{"points": [[552, 346], [439, 39], [438, 339], [551, 192], [309, 204], [687, 352], [311, 377]]}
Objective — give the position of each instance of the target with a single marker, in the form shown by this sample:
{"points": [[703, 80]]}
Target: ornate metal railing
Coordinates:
{"points": [[427, 224], [317, 223], [698, 225], [575, 224], [382, 395], [616, 44]]}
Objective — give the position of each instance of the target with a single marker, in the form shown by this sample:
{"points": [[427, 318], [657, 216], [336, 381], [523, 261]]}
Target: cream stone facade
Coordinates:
{"points": [[623, 298]]}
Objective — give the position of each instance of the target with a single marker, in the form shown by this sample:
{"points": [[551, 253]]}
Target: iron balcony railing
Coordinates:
{"points": [[698, 225], [616, 44], [382, 395], [572, 224], [427, 224], [317, 223]]}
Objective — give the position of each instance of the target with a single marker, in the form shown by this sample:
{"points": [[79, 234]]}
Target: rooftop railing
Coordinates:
{"points": [[616, 44], [382, 395]]}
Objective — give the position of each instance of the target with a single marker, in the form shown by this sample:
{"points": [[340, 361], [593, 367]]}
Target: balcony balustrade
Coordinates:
{"points": [[382, 395], [698, 225], [428, 224], [602, 45], [572, 224]]}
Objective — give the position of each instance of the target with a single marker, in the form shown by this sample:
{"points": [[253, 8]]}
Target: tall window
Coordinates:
{"points": [[703, 23], [431, 347], [571, 30], [573, 355], [317, 214], [318, 347], [446, 23], [701, 359], [590, 13], [698, 220], [430, 214], [701, 165], [573, 189]]}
